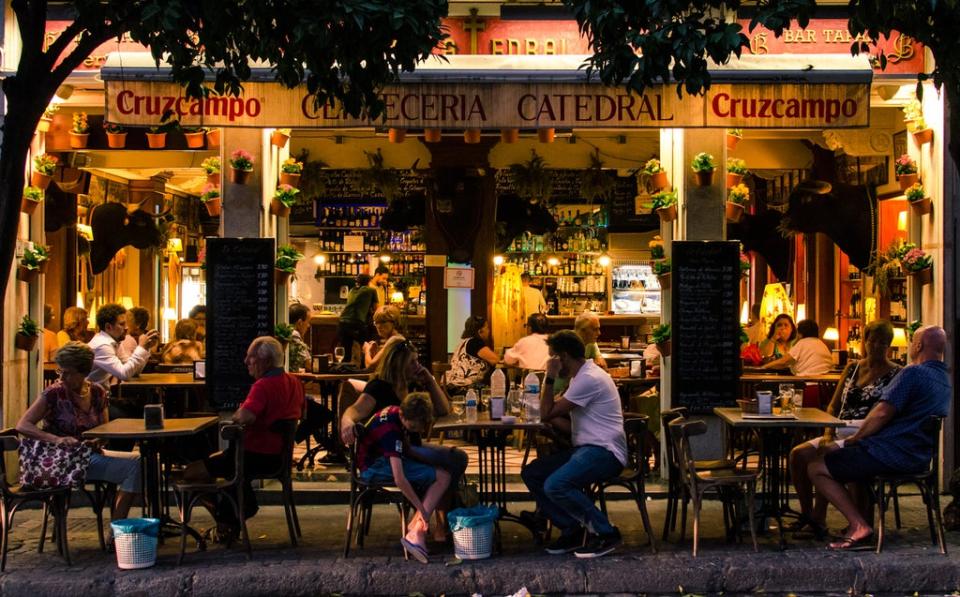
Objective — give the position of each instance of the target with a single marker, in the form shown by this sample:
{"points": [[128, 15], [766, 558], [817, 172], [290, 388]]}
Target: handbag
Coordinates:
{"points": [[44, 465]]}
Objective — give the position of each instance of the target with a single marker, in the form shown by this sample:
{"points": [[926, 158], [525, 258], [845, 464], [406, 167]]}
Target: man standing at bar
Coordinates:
{"points": [[891, 439], [107, 362], [559, 482], [533, 301], [354, 325]]}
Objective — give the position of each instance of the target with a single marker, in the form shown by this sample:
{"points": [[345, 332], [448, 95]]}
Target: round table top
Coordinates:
{"points": [[451, 423]]}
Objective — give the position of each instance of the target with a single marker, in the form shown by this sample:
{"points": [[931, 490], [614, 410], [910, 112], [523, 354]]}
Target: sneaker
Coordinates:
{"points": [[567, 542], [600, 545]]}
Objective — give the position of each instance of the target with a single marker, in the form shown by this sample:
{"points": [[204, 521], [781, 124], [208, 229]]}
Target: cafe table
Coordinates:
{"points": [[774, 451], [161, 383], [150, 440], [753, 377], [328, 385], [492, 457]]}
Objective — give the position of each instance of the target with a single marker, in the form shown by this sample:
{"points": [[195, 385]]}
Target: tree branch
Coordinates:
{"points": [[58, 45], [82, 51], [31, 19]]}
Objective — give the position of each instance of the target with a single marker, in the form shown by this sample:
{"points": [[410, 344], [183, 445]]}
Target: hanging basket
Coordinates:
{"points": [[28, 206], [732, 141], [291, 179], [733, 211], [509, 135], [156, 140], [471, 136], [664, 280], [25, 342], [396, 135], [660, 180], [194, 140], [26, 274], [924, 276], [733, 179], [279, 139], [546, 135], [42, 266], [432, 135], [278, 209], [667, 214], [923, 137], [213, 138], [665, 347], [40, 180], [214, 206], [703, 178], [116, 140], [908, 180], [922, 206], [239, 176], [44, 125], [79, 140], [280, 276]]}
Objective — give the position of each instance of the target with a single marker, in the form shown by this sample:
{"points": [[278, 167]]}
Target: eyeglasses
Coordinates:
{"points": [[65, 372]]}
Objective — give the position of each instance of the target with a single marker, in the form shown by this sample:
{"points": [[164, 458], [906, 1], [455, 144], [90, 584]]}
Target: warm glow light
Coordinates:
{"points": [[174, 245], [553, 262], [902, 221], [384, 258], [801, 312], [126, 302], [169, 314], [775, 301], [80, 299], [831, 334], [604, 261], [85, 231], [396, 297], [319, 259], [498, 260], [744, 313], [899, 338]]}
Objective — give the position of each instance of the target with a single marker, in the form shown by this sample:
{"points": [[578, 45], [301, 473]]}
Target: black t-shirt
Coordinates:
{"points": [[384, 395], [473, 347]]}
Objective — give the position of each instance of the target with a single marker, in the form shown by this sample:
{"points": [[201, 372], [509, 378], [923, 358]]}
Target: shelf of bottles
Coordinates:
{"points": [[350, 237]]}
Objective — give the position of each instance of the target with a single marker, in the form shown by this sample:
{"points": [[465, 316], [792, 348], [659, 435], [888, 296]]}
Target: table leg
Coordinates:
{"points": [[492, 468], [150, 454], [771, 448]]}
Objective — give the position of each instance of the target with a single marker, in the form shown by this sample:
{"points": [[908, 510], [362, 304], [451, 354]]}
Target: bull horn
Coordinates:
{"points": [[817, 187]]}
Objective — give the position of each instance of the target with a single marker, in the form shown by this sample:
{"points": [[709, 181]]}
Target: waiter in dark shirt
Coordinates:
{"points": [[356, 320]]}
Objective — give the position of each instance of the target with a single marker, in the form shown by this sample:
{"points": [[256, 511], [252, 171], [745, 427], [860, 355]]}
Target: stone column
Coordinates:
{"points": [[242, 203]]}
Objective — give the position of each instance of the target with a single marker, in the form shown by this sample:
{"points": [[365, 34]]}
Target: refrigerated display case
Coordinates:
{"points": [[634, 289]]}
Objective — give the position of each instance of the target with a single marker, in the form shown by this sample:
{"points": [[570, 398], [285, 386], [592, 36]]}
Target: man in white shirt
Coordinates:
{"points": [[809, 356], [531, 352], [107, 363], [559, 482], [533, 301]]}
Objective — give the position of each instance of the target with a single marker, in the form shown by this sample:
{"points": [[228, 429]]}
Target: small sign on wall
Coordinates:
{"points": [[458, 277], [353, 243]]}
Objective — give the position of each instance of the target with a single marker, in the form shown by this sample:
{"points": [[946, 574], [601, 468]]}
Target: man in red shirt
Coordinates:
{"points": [[275, 395]]}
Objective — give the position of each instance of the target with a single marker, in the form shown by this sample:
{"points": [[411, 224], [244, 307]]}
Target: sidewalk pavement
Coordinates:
{"points": [[909, 565]]}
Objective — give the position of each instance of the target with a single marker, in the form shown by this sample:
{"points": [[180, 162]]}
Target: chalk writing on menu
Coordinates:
{"points": [[705, 325], [240, 297]]}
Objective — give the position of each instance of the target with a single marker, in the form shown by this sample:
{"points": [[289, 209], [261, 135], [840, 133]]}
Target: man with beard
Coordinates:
{"points": [[107, 362]]}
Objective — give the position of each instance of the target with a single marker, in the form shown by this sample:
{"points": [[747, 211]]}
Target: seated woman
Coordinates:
{"points": [[385, 320], [75, 322], [184, 349], [397, 371], [779, 338], [473, 359], [809, 356], [860, 387], [73, 405]]}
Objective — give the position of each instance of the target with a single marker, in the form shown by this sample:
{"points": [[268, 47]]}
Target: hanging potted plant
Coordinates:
{"points": [[32, 196], [213, 138], [656, 248], [661, 337], [80, 131], [744, 265], [47, 119], [382, 179], [736, 198], [116, 135], [241, 165], [733, 138], [703, 166], [906, 170], [27, 334], [531, 179], [211, 166], [912, 111], [595, 184], [509, 135], [665, 204], [395, 135], [432, 135], [42, 256], [286, 264], [194, 136], [918, 265], [655, 173], [279, 137], [44, 165], [283, 199], [290, 171], [662, 270], [922, 134], [736, 170], [28, 268], [918, 200], [211, 199], [283, 332]]}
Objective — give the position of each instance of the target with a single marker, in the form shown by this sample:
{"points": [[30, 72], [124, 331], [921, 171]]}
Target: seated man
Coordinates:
{"points": [[891, 440], [559, 482], [809, 356], [108, 363], [530, 352]]}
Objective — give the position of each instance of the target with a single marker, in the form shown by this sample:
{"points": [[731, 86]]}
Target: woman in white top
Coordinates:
{"points": [[809, 356]]}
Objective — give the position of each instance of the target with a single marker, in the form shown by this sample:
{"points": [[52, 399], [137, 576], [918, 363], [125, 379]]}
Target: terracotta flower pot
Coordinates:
{"points": [[44, 125], [704, 178], [471, 136], [733, 211], [79, 140], [908, 180], [278, 209], [194, 140], [40, 180], [28, 206], [25, 342], [26, 274], [732, 141], [546, 135], [396, 135], [291, 179], [432, 135], [280, 277], [279, 139], [660, 180], [156, 140], [239, 176], [116, 140], [667, 214], [509, 135], [214, 178], [924, 276], [733, 179], [922, 206], [923, 137], [664, 280], [665, 348], [42, 266], [213, 138], [214, 206]]}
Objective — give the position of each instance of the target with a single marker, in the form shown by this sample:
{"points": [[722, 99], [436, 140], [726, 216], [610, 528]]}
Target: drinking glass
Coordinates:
{"points": [[338, 354], [485, 399], [458, 403]]}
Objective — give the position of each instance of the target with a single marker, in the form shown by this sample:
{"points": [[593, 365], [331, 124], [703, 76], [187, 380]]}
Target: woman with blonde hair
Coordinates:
{"points": [[386, 320], [184, 349], [75, 323]]}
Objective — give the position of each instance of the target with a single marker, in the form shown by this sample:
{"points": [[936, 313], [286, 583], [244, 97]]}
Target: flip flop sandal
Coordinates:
{"points": [[851, 544], [418, 552]]}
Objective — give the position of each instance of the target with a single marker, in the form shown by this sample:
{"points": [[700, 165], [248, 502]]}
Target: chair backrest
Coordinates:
{"points": [[931, 427], [439, 370], [233, 435], [10, 442], [359, 430], [681, 430], [635, 428], [666, 417], [287, 430]]}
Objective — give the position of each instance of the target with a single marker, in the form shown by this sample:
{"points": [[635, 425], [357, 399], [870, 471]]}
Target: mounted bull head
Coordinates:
{"points": [[516, 216], [845, 213], [760, 234], [404, 213], [115, 226]]}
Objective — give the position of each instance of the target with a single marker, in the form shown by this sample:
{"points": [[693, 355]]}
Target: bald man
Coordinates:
{"points": [[891, 440]]}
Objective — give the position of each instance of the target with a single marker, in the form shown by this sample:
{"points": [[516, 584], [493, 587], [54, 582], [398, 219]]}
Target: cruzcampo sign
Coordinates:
{"points": [[504, 105]]}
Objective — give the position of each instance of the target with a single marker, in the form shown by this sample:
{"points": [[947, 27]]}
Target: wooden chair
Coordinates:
{"points": [[172, 368], [14, 496], [287, 430], [230, 489], [99, 495], [698, 482]]}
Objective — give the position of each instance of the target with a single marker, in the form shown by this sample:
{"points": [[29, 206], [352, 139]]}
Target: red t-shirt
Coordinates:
{"points": [[272, 398]]}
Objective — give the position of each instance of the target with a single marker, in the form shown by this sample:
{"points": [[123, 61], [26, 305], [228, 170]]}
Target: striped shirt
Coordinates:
{"points": [[385, 437]]}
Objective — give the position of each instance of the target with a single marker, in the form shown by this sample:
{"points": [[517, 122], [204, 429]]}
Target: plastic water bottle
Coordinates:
{"points": [[498, 384], [531, 398], [471, 406]]}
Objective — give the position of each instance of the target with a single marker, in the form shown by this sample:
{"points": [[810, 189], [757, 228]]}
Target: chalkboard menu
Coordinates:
{"points": [[240, 296], [705, 325], [622, 211], [346, 186]]}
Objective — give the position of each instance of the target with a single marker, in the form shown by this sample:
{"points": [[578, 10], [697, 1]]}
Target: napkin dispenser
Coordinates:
{"points": [[153, 416]]}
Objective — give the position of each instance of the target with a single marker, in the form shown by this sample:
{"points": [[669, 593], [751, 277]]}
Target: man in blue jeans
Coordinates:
{"points": [[559, 482]]}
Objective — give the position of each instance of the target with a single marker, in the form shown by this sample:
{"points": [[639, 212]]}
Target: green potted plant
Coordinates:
{"points": [[379, 177], [655, 173], [194, 136], [283, 332], [912, 111], [32, 196], [665, 204], [736, 170], [47, 119], [283, 199], [116, 135], [912, 327], [703, 166], [211, 166], [885, 266], [44, 165], [42, 255], [29, 266], [662, 270], [79, 131], [656, 248], [290, 171], [733, 138], [736, 198], [744, 265], [906, 170], [918, 200], [211, 199], [918, 265], [286, 264], [595, 183], [661, 337], [27, 334], [157, 134], [241, 165], [531, 179], [213, 138], [279, 137]]}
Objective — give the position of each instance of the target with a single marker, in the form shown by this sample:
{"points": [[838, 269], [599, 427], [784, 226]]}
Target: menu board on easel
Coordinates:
{"points": [[240, 297], [705, 325]]}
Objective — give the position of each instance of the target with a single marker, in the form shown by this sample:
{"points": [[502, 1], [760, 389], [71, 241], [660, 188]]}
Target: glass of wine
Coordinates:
{"points": [[338, 354], [458, 403]]}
